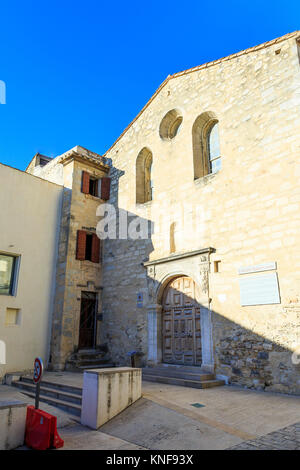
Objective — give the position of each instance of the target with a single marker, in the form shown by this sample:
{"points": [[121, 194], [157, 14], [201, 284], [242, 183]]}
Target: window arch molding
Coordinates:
{"points": [[202, 153], [143, 176], [170, 124]]}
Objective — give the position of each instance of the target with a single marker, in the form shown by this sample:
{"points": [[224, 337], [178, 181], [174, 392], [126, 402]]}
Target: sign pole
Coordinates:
{"points": [[37, 377], [37, 395]]}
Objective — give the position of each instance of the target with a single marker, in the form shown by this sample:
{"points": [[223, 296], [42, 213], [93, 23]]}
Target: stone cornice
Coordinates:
{"points": [[85, 156], [180, 256]]}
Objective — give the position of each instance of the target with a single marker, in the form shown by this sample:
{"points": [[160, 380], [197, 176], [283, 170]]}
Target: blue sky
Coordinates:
{"points": [[77, 73]]}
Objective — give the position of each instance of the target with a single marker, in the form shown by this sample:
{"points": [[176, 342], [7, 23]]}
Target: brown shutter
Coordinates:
{"points": [[81, 245], [105, 188], [85, 182], [95, 258]]}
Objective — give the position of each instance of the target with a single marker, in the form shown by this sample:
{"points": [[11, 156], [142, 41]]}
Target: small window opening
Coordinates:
{"points": [[43, 162], [170, 124], [217, 266], [174, 127], [151, 187], [214, 149], [88, 249], [7, 274], [13, 317], [206, 145], [144, 177], [93, 187]]}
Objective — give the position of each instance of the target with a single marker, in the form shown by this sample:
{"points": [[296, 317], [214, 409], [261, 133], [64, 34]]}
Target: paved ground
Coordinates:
{"points": [[283, 439], [82, 438], [242, 410], [231, 418], [166, 419], [154, 426]]}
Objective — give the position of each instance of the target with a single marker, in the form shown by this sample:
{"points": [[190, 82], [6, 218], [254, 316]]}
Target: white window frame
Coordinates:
{"points": [[16, 270]]}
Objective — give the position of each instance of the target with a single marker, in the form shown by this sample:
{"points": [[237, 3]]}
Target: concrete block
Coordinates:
{"points": [[107, 392], [12, 424]]}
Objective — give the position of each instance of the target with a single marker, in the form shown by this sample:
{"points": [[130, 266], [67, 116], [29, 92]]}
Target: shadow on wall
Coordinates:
{"points": [[243, 356], [59, 272], [124, 324], [252, 360]]}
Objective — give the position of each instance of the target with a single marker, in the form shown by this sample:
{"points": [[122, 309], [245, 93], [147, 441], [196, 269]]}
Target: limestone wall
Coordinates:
{"points": [[248, 211]]}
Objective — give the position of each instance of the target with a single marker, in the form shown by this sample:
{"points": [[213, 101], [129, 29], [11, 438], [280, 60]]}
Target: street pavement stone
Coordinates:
{"points": [[284, 439]]}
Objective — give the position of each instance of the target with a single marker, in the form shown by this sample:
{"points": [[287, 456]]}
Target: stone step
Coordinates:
{"points": [[91, 361], [88, 357], [75, 366], [181, 367], [89, 354], [184, 382], [96, 366], [54, 385], [63, 405], [92, 351], [177, 373], [48, 391]]}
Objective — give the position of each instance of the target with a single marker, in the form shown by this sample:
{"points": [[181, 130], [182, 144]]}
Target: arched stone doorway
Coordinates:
{"points": [[160, 273], [181, 323]]}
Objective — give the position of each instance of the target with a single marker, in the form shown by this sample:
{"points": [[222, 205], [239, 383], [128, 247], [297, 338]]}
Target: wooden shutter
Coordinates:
{"points": [[85, 182], [81, 245], [95, 258], [105, 188]]}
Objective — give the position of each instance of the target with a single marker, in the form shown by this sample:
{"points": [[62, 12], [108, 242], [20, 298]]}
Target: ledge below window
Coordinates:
{"points": [[144, 204], [90, 196], [203, 180]]}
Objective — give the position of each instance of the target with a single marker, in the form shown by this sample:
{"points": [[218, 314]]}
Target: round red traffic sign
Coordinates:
{"points": [[38, 369]]}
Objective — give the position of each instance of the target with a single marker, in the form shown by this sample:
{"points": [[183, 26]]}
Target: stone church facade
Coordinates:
{"points": [[224, 214], [203, 265]]}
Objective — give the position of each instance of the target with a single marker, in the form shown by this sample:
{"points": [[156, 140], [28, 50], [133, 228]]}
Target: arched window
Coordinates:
{"points": [[206, 145], [214, 148], [144, 182], [170, 124], [151, 189]]}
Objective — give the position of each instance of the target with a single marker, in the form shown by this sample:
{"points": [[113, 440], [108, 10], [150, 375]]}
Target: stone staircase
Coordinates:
{"points": [[88, 359], [65, 397], [186, 376]]}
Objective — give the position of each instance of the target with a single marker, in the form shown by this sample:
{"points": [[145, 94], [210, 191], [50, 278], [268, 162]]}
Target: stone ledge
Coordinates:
{"points": [[11, 404], [180, 256]]}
